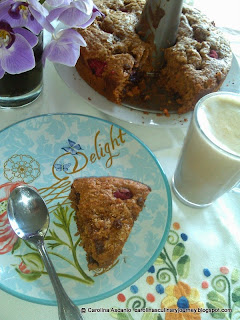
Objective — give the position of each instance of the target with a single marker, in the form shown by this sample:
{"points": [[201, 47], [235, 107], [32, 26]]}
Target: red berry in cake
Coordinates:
{"points": [[123, 194], [97, 66], [213, 54]]}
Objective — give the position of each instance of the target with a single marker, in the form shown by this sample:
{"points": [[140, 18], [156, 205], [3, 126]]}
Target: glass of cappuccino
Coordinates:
{"points": [[209, 164]]}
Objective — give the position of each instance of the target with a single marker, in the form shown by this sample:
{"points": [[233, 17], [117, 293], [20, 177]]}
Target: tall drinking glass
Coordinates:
{"points": [[209, 164]]}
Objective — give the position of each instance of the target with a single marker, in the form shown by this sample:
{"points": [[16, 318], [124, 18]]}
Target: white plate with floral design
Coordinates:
{"points": [[48, 152]]}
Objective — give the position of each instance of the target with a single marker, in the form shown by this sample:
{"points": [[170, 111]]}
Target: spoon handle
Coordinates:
{"points": [[67, 310]]}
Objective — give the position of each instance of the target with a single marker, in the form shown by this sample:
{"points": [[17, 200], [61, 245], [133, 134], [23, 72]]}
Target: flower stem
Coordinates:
{"points": [[74, 248], [130, 316], [165, 274], [229, 296], [69, 276], [62, 257], [172, 267], [74, 253], [29, 246]]}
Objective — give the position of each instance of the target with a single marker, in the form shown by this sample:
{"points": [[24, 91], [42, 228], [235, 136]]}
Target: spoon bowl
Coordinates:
{"points": [[27, 213], [29, 218]]}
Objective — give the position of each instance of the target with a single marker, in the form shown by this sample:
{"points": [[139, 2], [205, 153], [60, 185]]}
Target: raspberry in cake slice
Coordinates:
{"points": [[106, 208]]}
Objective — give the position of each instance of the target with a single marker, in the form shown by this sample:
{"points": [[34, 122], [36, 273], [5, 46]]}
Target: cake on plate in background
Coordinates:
{"points": [[116, 62]]}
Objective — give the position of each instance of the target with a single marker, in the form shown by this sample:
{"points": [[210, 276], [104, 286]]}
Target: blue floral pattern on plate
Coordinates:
{"points": [[49, 152]]}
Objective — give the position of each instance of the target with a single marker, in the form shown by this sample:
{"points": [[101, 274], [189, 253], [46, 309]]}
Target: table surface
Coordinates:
{"points": [[207, 273]]}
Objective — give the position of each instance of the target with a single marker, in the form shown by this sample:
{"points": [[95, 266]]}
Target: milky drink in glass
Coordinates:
{"points": [[209, 164]]}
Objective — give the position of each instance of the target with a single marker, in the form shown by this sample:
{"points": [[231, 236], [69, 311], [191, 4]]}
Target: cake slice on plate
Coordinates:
{"points": [[106, 208]]}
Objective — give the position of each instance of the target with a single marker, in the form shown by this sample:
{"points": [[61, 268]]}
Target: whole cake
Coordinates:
{"points": [[106, 208], [116, 60]]}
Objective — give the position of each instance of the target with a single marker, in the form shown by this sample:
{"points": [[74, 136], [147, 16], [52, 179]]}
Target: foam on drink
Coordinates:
{"points": [[219, 118]]}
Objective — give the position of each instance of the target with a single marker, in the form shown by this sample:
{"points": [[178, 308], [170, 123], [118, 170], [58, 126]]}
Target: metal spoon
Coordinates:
{"points": [[29, 218]]}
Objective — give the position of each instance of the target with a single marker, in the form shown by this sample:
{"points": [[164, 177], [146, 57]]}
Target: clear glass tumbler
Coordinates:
{"points": [[209, 164], [17, 90]]}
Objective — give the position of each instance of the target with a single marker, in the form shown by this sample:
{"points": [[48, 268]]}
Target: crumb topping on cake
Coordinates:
{"points": [[116, 60], [106, 208]]}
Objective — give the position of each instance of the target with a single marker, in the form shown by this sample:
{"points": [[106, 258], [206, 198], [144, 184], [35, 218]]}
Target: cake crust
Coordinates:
{"points": [[106, 208], [199, 61], [116, 60]]}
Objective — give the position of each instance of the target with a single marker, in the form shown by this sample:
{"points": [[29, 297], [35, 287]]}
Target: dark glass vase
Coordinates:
{"points": [[20, 89]]}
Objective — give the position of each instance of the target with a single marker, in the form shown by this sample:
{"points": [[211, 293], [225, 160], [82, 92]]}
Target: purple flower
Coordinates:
{"points": [[58, 3], [29, 14], [95, 13], [16, 54], [22, 20], [78, 14], [64, 48]]}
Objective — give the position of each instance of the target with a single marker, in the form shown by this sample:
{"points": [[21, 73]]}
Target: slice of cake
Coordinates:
{"points": [[106, 208]]}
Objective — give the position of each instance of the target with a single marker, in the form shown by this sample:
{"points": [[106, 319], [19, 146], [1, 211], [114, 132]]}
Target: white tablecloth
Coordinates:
{"points": [[207, 273]]}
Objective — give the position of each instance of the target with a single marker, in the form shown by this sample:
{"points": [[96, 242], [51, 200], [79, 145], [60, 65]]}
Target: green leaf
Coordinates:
{"points": [[216, 304], [122, 316], [29, 276], [61, 215], [214, 296], [183, 266], [162, 256], [159, 261], [17, 245], [30, 246], [54, 245], [151, 316], [59, 225], [235, 275], [236, 296], [34, 266], [69, 219], [49, 238], [3, 206], [114, 315], [118, 315], [57, 241], [147, 316], [53, 236], [178, 251], [215, 315], [33, 261]]}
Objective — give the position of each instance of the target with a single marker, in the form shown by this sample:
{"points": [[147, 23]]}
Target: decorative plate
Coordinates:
{"points": [[73, 80], [49, 152]]}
